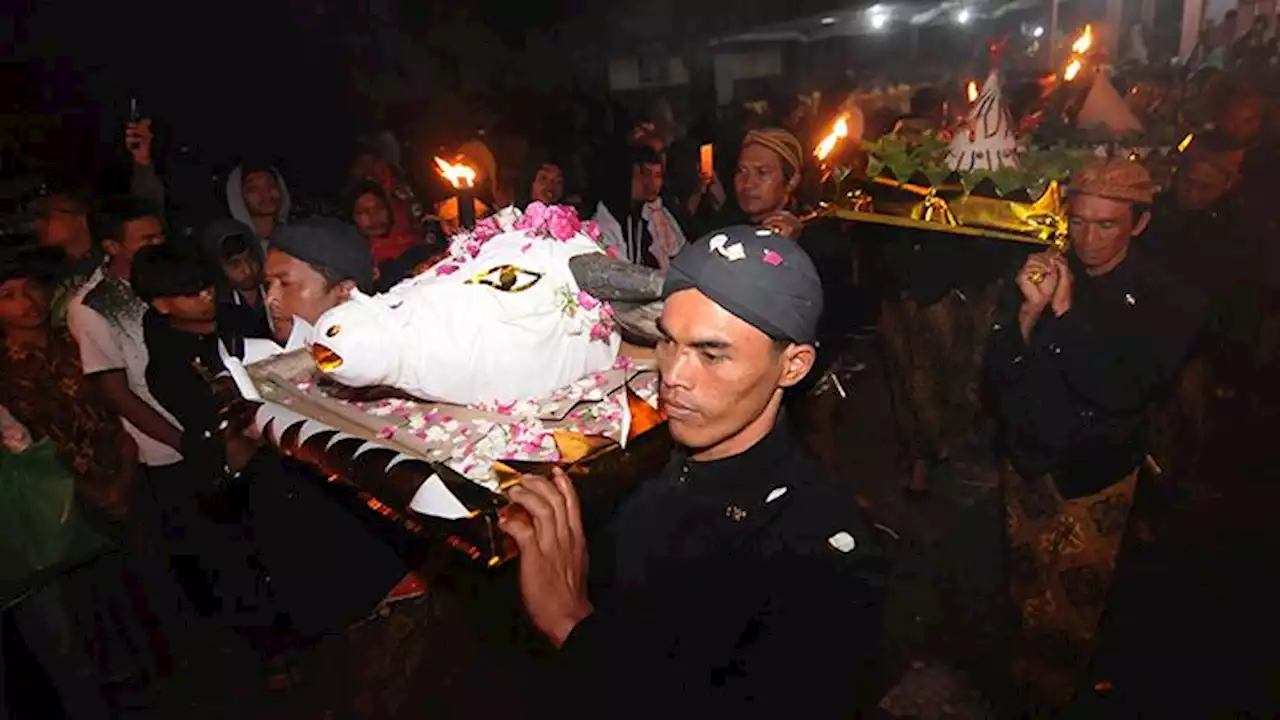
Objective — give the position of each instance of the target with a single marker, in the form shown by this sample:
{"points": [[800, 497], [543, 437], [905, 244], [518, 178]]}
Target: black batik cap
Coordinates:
{"points": [[763, 278], [330, 243]]}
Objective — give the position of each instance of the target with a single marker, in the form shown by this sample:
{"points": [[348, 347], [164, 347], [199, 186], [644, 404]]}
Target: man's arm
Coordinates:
{"points": [[1018, 311], [114, 386], [145, 182], [103, 364]]}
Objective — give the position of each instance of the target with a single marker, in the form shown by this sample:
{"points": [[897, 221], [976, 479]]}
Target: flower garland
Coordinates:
{"points": [[545, 222]]}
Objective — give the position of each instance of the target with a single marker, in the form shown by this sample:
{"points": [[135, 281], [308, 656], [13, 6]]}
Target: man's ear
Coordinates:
{"points": [[1141, 226], [793, 183], [797, 361], [345, 288]]}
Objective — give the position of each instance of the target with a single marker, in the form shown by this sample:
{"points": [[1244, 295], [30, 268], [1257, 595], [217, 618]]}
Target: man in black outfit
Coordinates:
{"points": [[325, 568], [740, 581], [1080, 348]]}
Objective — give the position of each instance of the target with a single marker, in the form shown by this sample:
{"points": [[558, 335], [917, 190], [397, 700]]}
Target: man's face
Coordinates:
{"points": [[548, 185], [295, 288], [136, 234], [243, 270], [646, 182], [371, 216], [60, 223], [23, 304], [718, 372], [261, 193], [196, 308], [759, 182], [1101, 230], [1242, 120], [1200, 185]]}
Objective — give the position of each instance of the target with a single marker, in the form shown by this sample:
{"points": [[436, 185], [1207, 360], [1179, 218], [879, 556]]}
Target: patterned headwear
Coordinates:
{"points": [[1115, 179], [761, 277], [781, 142]]}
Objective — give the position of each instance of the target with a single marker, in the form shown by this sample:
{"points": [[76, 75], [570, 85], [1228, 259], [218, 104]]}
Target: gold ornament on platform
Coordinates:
{"points": [[950, 209]]}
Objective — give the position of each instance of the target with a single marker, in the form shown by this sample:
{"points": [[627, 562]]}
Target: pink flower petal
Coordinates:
{"points": [[587, 301]]}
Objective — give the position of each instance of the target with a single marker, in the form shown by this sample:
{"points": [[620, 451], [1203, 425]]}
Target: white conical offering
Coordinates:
{"points": [[1103, 107], [986, 140]]}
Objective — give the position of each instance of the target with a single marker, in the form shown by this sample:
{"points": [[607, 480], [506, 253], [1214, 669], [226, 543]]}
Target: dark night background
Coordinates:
{"points": [[296, 79]]}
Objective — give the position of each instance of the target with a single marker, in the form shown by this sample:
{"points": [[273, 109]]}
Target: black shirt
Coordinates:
{"points": [[237, 318], [1073, 400], [744, 587], [326, 567], [175, 383]]}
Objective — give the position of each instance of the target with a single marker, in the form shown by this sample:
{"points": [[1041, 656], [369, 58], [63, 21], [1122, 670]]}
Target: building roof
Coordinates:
{"points": [[872, 18]]}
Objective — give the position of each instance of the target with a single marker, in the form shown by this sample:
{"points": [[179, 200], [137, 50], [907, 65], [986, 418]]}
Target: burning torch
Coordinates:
{"points": [[462, 178], [1079, 49], [826, 146]]}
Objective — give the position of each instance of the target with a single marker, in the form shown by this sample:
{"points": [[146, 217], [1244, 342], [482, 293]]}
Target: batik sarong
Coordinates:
{"points": [[1062, 559]]}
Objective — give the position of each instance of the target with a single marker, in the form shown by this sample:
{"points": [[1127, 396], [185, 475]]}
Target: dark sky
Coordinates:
{"points": [[229, 78]]}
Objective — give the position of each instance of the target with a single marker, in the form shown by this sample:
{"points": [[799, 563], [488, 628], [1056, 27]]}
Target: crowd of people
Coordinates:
{"points": [[1095, 366]]}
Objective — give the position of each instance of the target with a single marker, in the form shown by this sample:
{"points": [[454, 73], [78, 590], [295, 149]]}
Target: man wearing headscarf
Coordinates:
{"points": [[769, 170], [1079, 349], [741, 579]]}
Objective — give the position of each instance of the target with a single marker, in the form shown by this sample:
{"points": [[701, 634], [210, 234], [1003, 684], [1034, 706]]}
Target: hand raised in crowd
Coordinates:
{"points": [[783, 223], [1062, 294], [138, 137], [553, 552]]}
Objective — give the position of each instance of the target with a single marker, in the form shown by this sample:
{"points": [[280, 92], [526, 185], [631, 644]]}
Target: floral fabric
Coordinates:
{"points": [[45, 390]]}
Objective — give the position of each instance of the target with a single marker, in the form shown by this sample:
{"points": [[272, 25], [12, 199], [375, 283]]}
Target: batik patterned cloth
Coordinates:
{"points": [[934, 358], [1062, 559], [45, 390]]}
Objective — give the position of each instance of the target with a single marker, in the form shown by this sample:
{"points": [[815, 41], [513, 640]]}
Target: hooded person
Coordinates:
{"points": [[258, 197]]}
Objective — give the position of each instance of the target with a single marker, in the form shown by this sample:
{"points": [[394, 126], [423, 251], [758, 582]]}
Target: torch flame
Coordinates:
{"points": [[972, 91], [1084, 42], [1073, 69], [458, 174], [839, 131]]}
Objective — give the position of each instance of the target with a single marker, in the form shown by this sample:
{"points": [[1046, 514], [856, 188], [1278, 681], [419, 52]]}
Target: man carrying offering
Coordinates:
{"points": [[1080, 347], [740, 579]]}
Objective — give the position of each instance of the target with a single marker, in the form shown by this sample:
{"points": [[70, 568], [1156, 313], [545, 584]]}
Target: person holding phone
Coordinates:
{"points": [[144, 181]]}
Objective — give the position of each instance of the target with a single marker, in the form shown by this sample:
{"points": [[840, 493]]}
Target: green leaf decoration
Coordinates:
{"points": [[1040, 165]]}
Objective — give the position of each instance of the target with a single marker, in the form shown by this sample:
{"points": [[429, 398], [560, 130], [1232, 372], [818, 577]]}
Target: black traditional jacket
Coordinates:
{"points": [[745, 587], [1073, 400]]}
